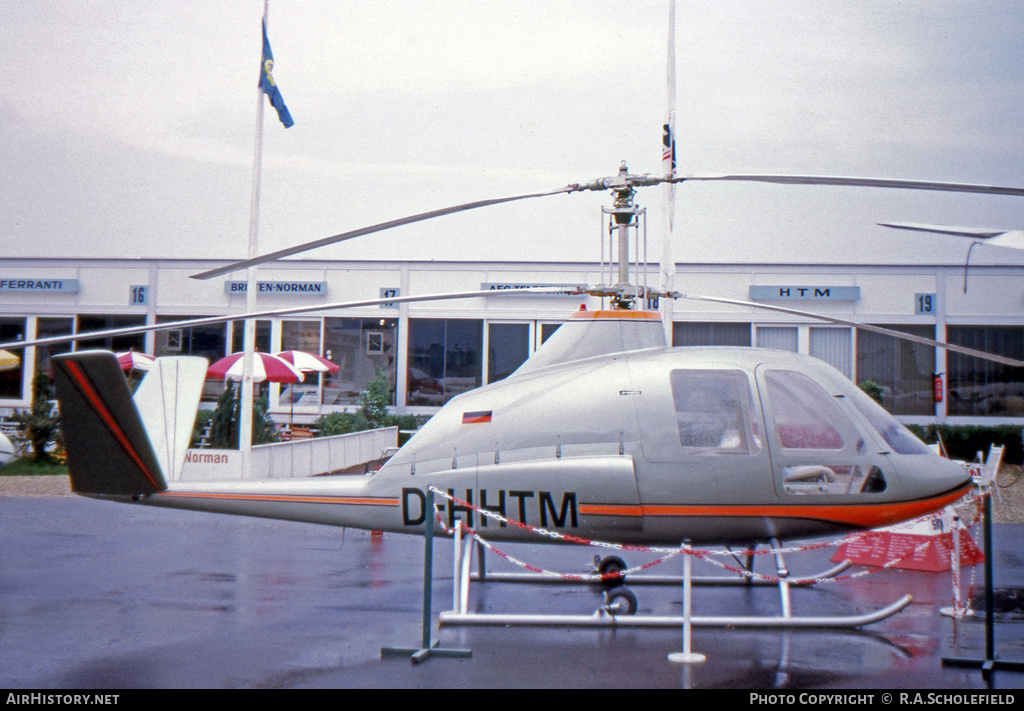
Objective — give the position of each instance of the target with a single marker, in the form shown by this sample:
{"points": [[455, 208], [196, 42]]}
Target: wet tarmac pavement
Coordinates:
{"points": [[95, 595]]}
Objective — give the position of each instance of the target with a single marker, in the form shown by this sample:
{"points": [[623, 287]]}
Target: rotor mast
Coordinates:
{"points": [[624, 215]]}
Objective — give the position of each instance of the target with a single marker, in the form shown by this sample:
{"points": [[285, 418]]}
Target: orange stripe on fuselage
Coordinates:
{"points": [[854, 515], [301, 499]]}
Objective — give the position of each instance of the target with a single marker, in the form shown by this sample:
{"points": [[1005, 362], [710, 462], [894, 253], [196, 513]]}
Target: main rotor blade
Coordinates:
{"points": [[875, 329], [972, 232], [371, 229], [130, 330], [854, 182]]}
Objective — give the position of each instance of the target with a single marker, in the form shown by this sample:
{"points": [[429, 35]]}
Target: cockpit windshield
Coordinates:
{"points": [[888, 427]]}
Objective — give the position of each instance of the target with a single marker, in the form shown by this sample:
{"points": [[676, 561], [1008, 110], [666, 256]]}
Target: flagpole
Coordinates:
{"points": [[668, 166], [249, 341]]}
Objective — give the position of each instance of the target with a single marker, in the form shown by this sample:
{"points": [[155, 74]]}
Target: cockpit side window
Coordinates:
{"points": [[806, 417], [822, 449], [714, 412]]}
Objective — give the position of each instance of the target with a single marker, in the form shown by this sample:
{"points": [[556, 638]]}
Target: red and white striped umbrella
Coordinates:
{"points": [[264, 367], [133, 360], [308, 362]]}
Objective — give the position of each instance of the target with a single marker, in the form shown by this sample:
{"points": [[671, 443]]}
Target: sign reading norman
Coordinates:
{"points": [[300, 288]]}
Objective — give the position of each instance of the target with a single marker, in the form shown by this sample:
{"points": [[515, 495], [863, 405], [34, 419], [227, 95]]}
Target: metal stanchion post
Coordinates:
{"points": [[957, 610], [687, 656], [989, 664]]}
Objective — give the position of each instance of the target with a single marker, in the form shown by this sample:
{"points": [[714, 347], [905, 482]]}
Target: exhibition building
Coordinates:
{"points": [[431, 351]]}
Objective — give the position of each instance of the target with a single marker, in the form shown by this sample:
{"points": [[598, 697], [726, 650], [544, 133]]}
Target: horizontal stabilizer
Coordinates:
{"points": [[109, 453]]}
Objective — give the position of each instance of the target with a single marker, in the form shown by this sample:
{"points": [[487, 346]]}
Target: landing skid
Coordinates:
{"points": [[606, 619], [619, 608], [537, 578]]}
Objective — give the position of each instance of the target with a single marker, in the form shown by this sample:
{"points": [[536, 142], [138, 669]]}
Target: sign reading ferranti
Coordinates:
{"points": [[30, 284], [300, 288], [820, 293]]}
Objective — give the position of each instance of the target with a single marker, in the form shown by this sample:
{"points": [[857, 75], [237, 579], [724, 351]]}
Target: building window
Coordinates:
{"points": [[832, 345], [710, 334], [208, 342], [444, 359], [902, 368], [51, 328], [98, 322], [360, 347], [508, 346], [303, 336], [547, 330], [238, 336], [12, 377], [981, 388], [780, 338]]}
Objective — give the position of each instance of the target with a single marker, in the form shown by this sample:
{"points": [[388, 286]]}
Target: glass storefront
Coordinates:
{"points": [[450, 356]]}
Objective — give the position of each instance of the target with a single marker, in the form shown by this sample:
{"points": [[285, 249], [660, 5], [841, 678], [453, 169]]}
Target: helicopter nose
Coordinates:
{"points": [[936, 476]]}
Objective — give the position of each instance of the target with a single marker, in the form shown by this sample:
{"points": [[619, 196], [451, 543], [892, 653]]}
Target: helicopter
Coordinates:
{"points": [[604, 433]]}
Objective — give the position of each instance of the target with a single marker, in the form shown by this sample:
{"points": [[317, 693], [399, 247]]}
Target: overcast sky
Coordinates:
{"points": [[129, 127]]}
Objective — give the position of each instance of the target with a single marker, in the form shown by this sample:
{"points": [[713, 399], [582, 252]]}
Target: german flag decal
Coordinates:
{"points": [[482, 417]]}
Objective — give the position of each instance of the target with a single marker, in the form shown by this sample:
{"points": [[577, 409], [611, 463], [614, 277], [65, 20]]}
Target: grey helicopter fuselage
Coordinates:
{"points": [[633, 443]]}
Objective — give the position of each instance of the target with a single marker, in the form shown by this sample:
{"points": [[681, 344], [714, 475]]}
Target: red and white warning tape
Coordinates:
{"points": [[669, 553]]}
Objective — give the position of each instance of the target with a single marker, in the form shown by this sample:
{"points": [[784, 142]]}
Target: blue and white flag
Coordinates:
{"points": [[267, 83]]}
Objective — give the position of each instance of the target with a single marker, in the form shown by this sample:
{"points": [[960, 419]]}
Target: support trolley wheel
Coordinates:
{"points": [[621, 601], [611, 568]]}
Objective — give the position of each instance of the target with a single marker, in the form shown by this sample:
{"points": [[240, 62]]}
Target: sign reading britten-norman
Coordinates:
{"points": [[299, 288]]}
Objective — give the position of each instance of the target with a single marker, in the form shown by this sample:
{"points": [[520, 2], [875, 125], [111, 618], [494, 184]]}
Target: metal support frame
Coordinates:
{"points": [[459, 615], [427, 648]]}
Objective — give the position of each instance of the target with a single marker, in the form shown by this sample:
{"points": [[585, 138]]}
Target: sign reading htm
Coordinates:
{"points": [[829, 293]]}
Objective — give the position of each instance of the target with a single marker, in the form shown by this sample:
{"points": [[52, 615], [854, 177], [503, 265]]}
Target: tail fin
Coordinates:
{"points": [[109, 452]]}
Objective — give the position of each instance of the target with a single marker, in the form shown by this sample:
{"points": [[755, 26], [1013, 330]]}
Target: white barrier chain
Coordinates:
{"points": [[703, 554]]}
